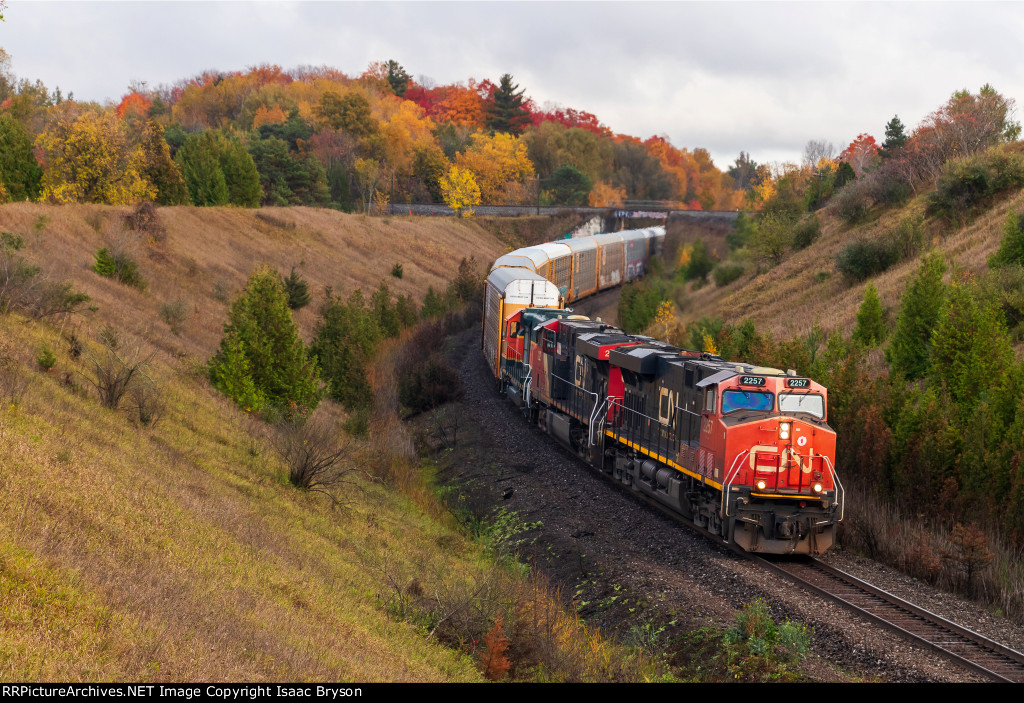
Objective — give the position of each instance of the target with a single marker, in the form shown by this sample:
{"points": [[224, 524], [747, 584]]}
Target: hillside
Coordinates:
{"points": [[177, 550], [806, 288]]}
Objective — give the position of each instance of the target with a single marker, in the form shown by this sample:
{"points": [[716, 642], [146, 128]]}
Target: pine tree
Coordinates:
{"points": [[344, 341], [398, 79], [199, 160], [971, 353], [1011, 250], [240, 175], [910, 350], [297, 289], [895, 137], [260, 329], [505, 112], [870, 327]]}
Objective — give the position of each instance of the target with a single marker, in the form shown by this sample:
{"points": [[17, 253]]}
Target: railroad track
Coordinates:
{"points": [[967, 648]]}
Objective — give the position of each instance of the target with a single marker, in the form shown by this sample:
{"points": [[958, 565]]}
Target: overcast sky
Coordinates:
{"points": [[761, 77]]}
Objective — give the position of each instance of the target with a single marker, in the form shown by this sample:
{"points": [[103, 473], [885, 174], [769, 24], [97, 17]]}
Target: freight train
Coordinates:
{"points": [[744, 452]]}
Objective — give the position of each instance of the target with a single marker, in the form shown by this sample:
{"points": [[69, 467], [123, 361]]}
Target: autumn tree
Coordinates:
{"points": [[460, 191], [20, 174], [88, 159], [349, 112], [496, 162], [160, 169], [910, 351], [861, 154], [261, 356], [505, 111]]}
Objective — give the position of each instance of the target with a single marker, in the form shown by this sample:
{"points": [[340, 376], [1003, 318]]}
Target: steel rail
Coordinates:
{"points": [[968, 648]]}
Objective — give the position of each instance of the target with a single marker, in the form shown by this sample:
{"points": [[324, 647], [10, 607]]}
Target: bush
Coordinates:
{"points": [[313, 454], [120, 266], [396, 271], [115, 374], [806, 232], [851, 204], [426, 385], [969, 183], [865, 258], [174, 314], [46, 358], [727, 272]]}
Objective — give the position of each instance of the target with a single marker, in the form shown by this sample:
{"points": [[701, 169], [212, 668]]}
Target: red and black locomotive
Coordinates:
{"points": [[744, 452]]}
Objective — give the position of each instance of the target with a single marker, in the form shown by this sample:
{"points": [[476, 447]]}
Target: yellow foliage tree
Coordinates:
{"points": [[496, 161], [88, 159], [460, 190], [665, 315], [604, 195], [709, 344]]}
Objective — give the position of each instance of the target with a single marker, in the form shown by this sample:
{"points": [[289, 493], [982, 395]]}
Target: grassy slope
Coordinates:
{"points": [[179, 552], [788, 299]]}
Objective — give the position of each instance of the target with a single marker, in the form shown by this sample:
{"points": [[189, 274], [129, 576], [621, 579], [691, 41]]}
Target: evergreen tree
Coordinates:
{"points": [[505, 112], [199, 160], [1011, 250], [870, 327], [344, 341], [261, 332], [160, 169], [398, 79], [909, 353], [240, 175], [20, 174], [895, 137], [567, 186], [297, 289], [971, 352]]}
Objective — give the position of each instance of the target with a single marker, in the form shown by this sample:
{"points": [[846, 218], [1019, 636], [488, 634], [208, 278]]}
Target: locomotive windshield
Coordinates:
{"points": [[810, 403], [747, 400]]}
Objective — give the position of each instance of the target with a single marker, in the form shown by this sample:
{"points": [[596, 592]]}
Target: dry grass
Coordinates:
{"points": [[210, 252], [179, 551]]}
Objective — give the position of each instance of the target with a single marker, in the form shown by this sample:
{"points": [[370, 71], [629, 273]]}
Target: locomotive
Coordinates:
{"points": [[744, 452]]}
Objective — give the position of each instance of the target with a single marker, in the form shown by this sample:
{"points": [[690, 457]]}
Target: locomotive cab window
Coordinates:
{"points": [[549, 342], [709, 400], [810, 403], [734, 400]]}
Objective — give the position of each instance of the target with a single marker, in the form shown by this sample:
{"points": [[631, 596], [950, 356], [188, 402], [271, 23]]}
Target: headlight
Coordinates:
{"points": [[783, 430], [761, 485], [817, 488]]}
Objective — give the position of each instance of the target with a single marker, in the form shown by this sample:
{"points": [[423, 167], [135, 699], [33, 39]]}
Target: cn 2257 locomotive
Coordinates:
{"points": [[744, 452]]}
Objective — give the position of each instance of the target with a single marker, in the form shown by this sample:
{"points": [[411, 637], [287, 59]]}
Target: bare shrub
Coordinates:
{"points": [[146, 400], [313, 453], [115, 370], [174, 313], [144, 219]]}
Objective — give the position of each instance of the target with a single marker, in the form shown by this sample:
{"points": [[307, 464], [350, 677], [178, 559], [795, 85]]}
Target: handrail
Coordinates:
{"points": [[841, 491], [598, 413], [727, 485]]}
